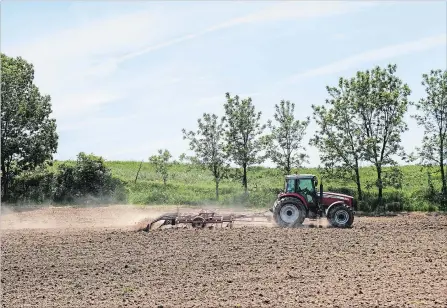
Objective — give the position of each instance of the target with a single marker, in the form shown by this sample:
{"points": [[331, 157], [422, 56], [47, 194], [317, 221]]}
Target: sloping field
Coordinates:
{"points": [[96, 258]]}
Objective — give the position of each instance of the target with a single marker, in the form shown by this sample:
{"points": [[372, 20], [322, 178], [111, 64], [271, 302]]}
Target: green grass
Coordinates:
{"points": [[190, 185]]}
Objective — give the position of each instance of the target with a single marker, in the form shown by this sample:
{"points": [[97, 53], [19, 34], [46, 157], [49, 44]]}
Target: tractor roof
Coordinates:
{"points": [[300, 176]]}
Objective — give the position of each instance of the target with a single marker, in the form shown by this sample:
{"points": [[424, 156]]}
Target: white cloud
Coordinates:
{"points": [[375, 55], [80, 67], [70, 63], [283, 11], [96, 123], [219, 99], [84, 45], [302, 10], [76, 103], [90, 52]]}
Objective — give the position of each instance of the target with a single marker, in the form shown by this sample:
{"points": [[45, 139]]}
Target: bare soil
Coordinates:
{"points": [[96, 257]]}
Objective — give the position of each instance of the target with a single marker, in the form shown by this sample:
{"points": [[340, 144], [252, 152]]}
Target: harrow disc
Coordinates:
{"points": [[198, 222]]}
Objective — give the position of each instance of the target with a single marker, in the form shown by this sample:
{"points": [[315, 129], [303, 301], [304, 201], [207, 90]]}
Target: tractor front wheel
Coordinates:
{"points": [[341, 216], [289, 213]]}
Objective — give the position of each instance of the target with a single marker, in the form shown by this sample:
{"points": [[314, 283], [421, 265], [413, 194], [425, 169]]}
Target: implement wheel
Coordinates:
{"points": [[289, 213]]}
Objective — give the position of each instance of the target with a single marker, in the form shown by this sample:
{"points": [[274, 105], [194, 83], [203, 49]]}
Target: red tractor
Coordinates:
{"points": [[300, 200]]}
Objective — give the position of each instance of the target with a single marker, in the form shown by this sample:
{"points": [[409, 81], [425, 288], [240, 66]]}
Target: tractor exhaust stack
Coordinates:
{"points": [[321, 192]]}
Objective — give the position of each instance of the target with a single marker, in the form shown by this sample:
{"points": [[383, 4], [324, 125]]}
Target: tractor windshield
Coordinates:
{"points": [[306, 184]]}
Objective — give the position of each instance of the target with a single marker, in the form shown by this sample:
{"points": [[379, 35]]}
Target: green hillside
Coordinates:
{"points": [[191, 185]]}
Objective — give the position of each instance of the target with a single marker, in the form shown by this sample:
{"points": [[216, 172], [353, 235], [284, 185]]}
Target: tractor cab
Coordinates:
{"points": [[305, 185]]}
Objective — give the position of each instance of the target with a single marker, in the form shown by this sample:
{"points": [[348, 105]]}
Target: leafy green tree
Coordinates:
{"points": [[28, 134], [285, 139], [207, 143], [381, 101], [433, 118], [161, 163], [242, 134], [338, 137]]}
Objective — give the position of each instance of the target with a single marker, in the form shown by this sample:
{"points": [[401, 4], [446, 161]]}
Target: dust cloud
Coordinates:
{"points": [[48, 217], [132, 217]]}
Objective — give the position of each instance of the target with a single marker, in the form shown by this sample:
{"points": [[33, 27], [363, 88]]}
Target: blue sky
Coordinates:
{"points": [[126, 77]]}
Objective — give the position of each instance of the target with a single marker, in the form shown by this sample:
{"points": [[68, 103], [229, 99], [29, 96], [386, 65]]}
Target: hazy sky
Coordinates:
{"points": [[126, 77]]}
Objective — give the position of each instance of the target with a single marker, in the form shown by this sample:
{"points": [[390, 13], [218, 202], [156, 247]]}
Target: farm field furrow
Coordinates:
{"points": [[381, 262]]}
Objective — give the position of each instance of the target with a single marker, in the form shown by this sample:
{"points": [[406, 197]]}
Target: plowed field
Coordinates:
{"points": [[96, 258]]}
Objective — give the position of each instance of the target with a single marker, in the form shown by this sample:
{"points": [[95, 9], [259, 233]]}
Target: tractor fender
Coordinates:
{"points": [[291, 195], [334, 204]]}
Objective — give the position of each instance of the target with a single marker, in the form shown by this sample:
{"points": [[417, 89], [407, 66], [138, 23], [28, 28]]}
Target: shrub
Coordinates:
{"points": [[33, 187], [87, 180]]}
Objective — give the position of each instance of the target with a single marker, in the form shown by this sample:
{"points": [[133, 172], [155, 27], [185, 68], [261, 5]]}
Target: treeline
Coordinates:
{"points": [[361, 121]]}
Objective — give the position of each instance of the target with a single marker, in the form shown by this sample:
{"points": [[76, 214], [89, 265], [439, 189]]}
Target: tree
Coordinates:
{"points": [[338, 138], [242, 135], [161, 162], [284, 141], [207, 143], [381, 101], [433, 118], [29, 137]]}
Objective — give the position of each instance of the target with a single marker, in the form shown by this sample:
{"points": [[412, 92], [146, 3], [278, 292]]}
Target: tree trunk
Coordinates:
{"points": [[444, 189], [138, 172], [4, 185], [217, 189], [244, 178], [379, 183], [444, 184], [357, 180]]}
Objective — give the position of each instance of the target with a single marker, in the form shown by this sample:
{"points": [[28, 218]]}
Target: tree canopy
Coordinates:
{"points": [[338, 137], [285, 147], [207, 143], [381, 104], [29, 138], [433, 118], [242, 135]]}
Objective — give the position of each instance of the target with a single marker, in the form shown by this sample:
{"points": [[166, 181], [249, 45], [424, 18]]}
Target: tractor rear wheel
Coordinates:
{"points": [[289, 213], [341, 216]]}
